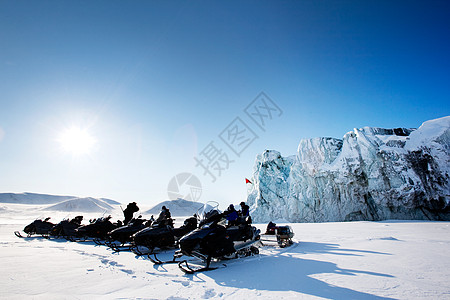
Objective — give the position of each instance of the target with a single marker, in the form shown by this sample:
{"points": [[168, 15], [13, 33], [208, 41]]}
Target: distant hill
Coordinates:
{"points": [[33, 198], [82, 205], [179, 207]]}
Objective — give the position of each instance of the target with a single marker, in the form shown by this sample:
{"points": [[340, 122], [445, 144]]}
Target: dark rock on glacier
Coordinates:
{"points": [[371, 174]]}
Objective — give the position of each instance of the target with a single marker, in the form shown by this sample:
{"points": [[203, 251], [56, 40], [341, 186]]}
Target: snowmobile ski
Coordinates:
{"points": [[18, 234], [118, 247], [186, 268], [156, 261], [29, 235], [99, 242], [135, 249]]}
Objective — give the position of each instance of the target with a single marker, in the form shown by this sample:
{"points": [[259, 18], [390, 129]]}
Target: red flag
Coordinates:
{"points": [[247, 181]]}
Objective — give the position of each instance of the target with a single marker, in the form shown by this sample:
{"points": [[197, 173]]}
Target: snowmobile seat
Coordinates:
{"points": [[239, 233], [77, 220], [244, 220], [190, 222]]}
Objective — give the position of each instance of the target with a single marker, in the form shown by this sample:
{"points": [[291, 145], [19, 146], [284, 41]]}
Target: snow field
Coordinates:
{"points": [[354, 260]]}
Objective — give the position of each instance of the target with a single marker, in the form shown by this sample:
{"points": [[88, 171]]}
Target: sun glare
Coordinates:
{"points": [[77, 141]]}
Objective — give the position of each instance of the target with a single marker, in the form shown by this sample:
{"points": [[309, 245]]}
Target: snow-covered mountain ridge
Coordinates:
{"points": [[82, 205], [34, 198], [178, 207], [370, 174], [60, 203]]}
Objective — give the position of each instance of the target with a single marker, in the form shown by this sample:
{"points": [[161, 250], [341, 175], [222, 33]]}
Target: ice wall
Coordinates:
{"points": [[371, 174]]}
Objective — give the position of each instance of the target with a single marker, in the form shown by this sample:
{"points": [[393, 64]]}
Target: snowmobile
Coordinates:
{"points": [[39, 226], [282, 235], [161, 235], [215, 240], [97, 230], [66, 228], [124, 234]]}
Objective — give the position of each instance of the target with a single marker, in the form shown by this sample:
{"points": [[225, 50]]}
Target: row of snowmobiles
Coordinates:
{"points": [[206, 236]]}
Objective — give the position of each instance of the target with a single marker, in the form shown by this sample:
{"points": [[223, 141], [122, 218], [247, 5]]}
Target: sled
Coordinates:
{"points": [[282, 236]]}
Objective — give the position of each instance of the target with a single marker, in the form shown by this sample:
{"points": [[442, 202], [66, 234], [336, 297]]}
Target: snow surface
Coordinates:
{"points": [[429, 132], [350, 260]]}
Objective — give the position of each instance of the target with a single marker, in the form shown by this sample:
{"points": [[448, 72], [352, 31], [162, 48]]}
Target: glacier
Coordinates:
{"points": [[371, 174]]}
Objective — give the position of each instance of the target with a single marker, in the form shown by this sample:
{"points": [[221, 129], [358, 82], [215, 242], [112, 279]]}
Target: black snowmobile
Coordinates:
{"points": [[213, 239], [66, 228], [39, 226], [124, 234], [162, 235], [97, 230]]}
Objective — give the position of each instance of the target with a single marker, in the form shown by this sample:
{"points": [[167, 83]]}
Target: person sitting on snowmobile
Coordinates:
{"points": [[129, 211], [271, 228], [164, 217], [244, 214], [231, 215], [77, 220], [149, 222]]}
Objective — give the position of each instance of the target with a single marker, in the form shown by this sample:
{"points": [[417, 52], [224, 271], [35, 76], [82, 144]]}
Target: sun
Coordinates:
{"points": [[77, 141]]}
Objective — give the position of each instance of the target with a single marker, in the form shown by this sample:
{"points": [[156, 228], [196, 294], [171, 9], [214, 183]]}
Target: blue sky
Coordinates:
{"points": [[154, 82]]}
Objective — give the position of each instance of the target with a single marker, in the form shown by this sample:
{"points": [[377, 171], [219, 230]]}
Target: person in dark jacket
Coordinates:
{"points": [[271, 228], [164, 217], [129, 211], [244, 214], [231, 215], [245, 210]]}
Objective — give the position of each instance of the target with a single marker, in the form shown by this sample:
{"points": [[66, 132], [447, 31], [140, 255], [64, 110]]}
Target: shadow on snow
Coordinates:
{"points": [[288, 272]]}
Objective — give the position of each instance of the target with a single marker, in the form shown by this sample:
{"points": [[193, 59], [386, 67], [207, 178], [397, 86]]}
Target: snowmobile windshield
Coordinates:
{"points": [[206, 211]]}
